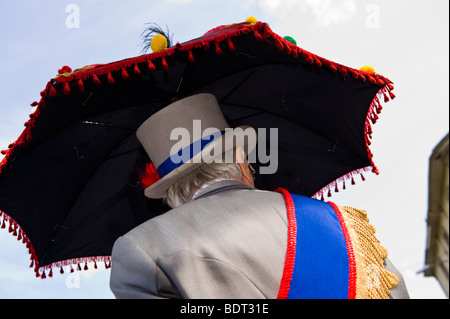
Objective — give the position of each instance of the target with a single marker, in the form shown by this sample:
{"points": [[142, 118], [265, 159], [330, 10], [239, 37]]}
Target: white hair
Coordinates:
{"points": [[182, 191]]}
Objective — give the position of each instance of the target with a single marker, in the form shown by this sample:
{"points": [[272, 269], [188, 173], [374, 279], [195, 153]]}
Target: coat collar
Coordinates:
{"points": [[219, 186]]}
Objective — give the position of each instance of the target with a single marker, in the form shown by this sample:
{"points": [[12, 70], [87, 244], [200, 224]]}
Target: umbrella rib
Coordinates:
{"points": [[126, 127], [222, 100]]}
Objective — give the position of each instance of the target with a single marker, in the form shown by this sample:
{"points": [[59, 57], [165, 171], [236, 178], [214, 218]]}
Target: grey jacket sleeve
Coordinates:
{"points": [[134, 274]]}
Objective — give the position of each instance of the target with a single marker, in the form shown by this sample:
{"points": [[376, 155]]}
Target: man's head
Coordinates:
{"points": [[191, 144]]}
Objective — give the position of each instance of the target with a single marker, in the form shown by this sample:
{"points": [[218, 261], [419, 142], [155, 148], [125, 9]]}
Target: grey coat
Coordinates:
{"points": [[230, 242]]}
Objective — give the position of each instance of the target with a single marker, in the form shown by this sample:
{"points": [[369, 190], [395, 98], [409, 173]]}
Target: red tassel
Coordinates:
{"points": [[386, 98], [80, 85], [164, 63], [28, 137], [321, 198], [354, 73], [294, 52], [52, 91], [329, 193], [336, 189], [20, 235], [343, 71], [257, 35], [375, 118], [32, 263], [61, 270], [353, 181], [50, 274], [307, 56], [362, 77], [317, 61], [34, 104], [390, 86], [95, 79], [151, 66], [79, 267], [372, 79], [125, 74], [369, 129], [66, 88], [43, 274], [267, 33], [231, 46], [95, 264], [190, 56], [392, 95], [218, 49], [205, 45], [362, 177], [110, 78], [279, 44], [136, 70], [288, 49], [246, 30], [86, 266], [343, 185], [71, 269], [380, 82]]}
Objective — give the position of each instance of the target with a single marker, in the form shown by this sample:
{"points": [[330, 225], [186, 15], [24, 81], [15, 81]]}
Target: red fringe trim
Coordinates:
{"points": [[334, 185], [43, 272], [260, 30]]}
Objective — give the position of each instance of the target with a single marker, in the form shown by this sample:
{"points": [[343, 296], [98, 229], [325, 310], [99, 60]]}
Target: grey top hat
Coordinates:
{"points": [[184, 135]]}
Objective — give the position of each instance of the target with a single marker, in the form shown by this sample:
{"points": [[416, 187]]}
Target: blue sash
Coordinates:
{"points": [[318, 249]]}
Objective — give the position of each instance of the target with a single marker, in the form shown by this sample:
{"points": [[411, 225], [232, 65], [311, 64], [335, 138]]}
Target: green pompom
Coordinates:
{"points": [[290, 39]]}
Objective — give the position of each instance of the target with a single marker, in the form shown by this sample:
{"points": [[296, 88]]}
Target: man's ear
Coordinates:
{"points": [[239, 155], [247, 176]]}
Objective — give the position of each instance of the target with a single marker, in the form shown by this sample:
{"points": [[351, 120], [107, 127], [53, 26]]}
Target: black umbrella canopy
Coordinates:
{"points": [[70, 185]]}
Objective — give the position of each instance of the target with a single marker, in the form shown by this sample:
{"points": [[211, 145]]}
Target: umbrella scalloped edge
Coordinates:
{"points": [[220, 40], [43, 272], [371, 118]]}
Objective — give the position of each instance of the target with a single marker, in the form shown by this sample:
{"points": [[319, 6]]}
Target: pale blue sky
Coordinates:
{"points": [[405, 40]]}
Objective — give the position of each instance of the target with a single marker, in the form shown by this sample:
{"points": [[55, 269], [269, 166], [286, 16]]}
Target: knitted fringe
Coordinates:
{"points": [[373, 281]]}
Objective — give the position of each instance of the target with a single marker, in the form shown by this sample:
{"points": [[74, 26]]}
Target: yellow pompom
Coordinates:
{"points": [[159, 43], [367, 68], [251, 20]]}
